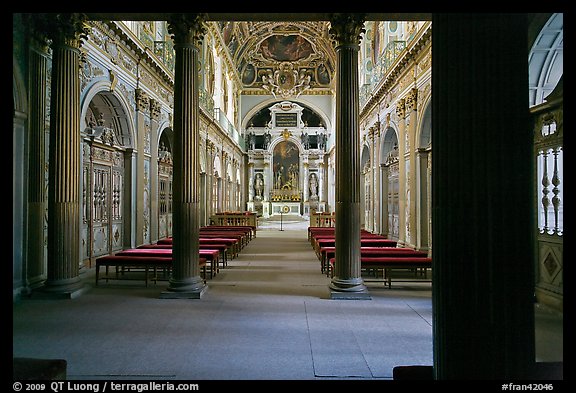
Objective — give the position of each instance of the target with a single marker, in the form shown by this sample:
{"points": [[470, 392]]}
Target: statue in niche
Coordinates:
{"points": [[313, 186], [259, 185]]}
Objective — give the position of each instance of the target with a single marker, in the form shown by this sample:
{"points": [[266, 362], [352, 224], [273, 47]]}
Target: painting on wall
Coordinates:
{"points": [[286, 161]]}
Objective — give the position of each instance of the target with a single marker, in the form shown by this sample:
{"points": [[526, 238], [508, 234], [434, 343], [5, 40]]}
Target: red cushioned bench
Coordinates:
{"points": [[326, 253], [136, 262], [211, 255], [223, 248], [364, 242], [388, 263]]}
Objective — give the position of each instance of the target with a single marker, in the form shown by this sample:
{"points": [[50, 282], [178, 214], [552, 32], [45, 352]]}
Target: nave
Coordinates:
{"points": [[266, 316]]}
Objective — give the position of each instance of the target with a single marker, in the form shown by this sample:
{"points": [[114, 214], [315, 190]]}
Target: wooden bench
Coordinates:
{"points": [[389, 263], [136, 262], [326, 253], [210, 255]]}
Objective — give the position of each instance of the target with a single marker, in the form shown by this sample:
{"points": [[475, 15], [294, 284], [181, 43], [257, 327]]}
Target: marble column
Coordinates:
{"points": [[376, 180], [66, 32], [423, 212], [185, 282], [306, 180], [250, 181], [483, 199], [35, 272], [383, 175], [155, 108], [402, 175], [411, 109], [370, 206], [347, 282], [142, 177], [321, 170]]}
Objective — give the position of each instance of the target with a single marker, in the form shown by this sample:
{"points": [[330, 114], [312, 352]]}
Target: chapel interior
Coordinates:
{"points": [[441, 133]]}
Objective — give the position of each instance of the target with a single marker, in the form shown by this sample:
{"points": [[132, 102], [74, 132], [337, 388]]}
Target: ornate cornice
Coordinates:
{"points": [[419, 43]]}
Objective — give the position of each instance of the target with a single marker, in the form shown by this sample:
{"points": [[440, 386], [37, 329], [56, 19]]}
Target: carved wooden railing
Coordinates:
{"points": [[235, 219], [547, 122], [322, 219]]}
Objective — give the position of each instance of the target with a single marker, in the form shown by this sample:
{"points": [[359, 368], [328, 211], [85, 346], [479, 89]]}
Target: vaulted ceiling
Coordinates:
{"points": [[283, 54]]}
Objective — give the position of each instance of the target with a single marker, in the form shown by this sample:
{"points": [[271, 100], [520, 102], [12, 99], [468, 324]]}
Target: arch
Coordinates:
{"points": [[365, 156], [229, 171], [424, 131], [217, 166], [19, 100], [113, 107], [545, 60], [388, 142], [271, 101]]}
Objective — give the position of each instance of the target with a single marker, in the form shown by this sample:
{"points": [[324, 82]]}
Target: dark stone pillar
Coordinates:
{"points": [[482, 181], [347, 282], [35, 271], [187, 31], [66, 32]]}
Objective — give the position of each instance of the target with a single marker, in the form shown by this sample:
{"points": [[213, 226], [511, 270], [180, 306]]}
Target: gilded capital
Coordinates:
{"points": [[142, 100], [412, 100], [155, 108], [347, 29], [187, 29], [401, 108]]}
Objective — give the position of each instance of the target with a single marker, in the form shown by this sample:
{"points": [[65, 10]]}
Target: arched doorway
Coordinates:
{"points": [[165, 184], [105, 176]]}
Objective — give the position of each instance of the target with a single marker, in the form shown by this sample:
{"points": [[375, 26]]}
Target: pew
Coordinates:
{"points": [[326, 253], [389, 263], [146, 262], [210, 255], [223, 248]]}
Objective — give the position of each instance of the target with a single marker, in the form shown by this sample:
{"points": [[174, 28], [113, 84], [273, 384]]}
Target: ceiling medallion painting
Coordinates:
{"points": [[281, 60]]}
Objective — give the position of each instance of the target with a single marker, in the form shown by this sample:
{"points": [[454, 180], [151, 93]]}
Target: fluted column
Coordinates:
{"points": [[155, 108], [35, 272], [142, 176], [483, 194], [383, 175], [402, 176], [376, 179], [66, 32], [411, 169], [423, 212], [185, 282], [347, 282]]}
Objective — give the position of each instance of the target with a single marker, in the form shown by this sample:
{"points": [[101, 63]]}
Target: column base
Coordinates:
{"points": [[63, 289], [352, 289], [185, 289]]}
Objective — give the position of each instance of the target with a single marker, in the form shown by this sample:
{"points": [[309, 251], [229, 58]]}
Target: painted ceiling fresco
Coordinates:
{"points": [[284, 59]]}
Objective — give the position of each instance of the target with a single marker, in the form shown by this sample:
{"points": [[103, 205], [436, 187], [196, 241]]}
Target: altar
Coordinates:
{"points": [[285, 208]]}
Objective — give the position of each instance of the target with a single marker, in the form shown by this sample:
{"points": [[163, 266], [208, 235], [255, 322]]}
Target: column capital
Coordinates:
{"points": [[187, 29], [401, 109], [142, 100], [155, 109], [412, 100], [347, 29], [62, 29]]}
